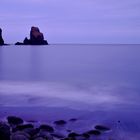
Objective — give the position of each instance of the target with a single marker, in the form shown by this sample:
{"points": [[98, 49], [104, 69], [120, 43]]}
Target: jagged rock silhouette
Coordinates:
{"points": [[36, 38]]}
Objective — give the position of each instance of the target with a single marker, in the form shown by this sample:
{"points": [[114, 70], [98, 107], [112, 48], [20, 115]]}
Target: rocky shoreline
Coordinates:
{"points": [[15, 128]]}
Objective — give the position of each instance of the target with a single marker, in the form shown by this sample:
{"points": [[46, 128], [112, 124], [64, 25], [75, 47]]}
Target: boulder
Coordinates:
{"points": [[58, 135], [40, 138], [60, 122], [46, 127], [73, 134], [43, 134], [102, 128], [4, 131], [93, 132], [31, 131], [19, 135], [23, 127], [13, 120]]}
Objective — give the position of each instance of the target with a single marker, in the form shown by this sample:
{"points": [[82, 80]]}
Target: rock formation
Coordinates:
{"points": [[15, 128], [1, 39], [36, 38]]}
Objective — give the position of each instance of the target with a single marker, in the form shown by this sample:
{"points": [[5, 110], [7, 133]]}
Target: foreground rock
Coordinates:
{"points": [[4, 131], [1, 39], [60, 122], [46, 127], [13, 120], [36, 38], [19, 136], [93, 132], [15, 128], [102, 128]]}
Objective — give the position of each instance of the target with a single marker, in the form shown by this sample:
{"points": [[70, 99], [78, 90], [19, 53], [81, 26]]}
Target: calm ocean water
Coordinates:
{"points": [[77, 76], [100, 79]]}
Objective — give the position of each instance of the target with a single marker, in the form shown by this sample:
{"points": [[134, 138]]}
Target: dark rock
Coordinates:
{"points": [[69, 130], [44, 134], [25, 126], [40, 138], [22, 127], [69, 138], [13, 120], [46, 128], [19, 135], [36, 38], [73, 134], [31, 131], [19, 43], [60, 122], [4, 132], [73, 120], [102, 128], [26, 41], [58, 135], [32, 121], [94, 132], [85, 135], [1, 39]]}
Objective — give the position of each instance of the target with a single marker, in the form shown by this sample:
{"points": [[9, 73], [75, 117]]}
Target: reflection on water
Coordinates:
{"points": [[71, 64]]}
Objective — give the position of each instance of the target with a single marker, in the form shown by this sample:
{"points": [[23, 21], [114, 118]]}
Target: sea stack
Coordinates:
{"points": [[36, 38], [1, 39]]}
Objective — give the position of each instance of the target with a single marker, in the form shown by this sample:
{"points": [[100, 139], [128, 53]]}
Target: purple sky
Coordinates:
{"points": [[72, 21]]}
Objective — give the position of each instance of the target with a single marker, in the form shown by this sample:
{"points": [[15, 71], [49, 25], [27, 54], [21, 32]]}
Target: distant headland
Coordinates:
{"points": [[1, 39], [36, 38]]}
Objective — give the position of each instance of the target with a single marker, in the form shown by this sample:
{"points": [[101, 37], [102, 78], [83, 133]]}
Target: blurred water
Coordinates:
{"points": [[77, 76], [71, 63], [102, 80]]}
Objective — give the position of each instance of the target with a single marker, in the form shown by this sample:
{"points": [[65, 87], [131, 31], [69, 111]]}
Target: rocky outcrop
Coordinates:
{"points": [[1, 39], [15, 128], [36, 38]]}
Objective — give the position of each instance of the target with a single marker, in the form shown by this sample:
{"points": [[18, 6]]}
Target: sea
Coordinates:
{"points": [[98, 83]]}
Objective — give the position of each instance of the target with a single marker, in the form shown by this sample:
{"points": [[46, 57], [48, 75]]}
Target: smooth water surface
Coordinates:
{"points": [[65, 74], [90, 78]]}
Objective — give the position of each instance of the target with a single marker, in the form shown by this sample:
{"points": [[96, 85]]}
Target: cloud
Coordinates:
{"points": [[110, 17]]}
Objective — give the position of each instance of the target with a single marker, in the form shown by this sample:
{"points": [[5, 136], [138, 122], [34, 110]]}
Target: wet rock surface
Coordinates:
{"points": [[102, 128], [60, 122], [15, 128], [46, 127], [13, 120], [94, 132]]}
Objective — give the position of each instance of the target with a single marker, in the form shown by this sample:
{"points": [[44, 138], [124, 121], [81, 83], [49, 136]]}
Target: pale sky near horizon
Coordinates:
{"points": [[72, 21]]}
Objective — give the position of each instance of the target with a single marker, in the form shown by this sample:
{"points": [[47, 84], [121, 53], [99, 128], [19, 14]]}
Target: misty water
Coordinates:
{"points": [[94, 78]]}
